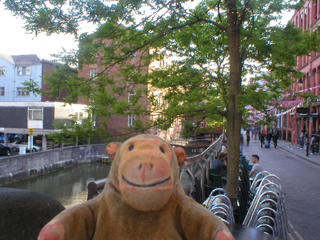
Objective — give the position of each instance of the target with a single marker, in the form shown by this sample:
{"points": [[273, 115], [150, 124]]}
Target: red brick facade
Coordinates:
{"points": [[293, 123], [118, 125]]}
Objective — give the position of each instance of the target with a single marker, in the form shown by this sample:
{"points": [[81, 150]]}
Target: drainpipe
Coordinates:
{"points": [[14, 82]]}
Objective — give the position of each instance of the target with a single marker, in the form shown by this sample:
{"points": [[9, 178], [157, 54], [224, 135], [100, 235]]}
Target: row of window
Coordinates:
{"points": [[22, 71], [37, 113], [21, 92]]}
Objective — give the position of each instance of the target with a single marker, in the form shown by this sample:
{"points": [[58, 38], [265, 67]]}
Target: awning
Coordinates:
{"points": [[301, 116], [304, 115]]}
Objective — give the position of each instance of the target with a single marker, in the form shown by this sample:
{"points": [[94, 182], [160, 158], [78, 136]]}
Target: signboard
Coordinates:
{"points": [[302, 110], [31, 130]]}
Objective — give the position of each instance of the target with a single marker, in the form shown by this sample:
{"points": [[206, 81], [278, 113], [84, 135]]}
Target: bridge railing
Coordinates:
{"points": [[193, 174]]}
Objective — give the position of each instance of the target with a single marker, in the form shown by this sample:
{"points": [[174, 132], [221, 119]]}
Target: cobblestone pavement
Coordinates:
{"points": [[300, 177]]}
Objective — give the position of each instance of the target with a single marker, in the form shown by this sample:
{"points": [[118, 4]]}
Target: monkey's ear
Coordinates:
{"points": [[181, 155], [112, 149]]}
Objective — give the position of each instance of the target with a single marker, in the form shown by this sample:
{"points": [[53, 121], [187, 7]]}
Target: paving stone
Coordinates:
{"points": [[299, 175]]}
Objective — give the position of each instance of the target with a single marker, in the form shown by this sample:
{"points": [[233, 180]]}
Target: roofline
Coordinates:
{"points": [[5, 59]]}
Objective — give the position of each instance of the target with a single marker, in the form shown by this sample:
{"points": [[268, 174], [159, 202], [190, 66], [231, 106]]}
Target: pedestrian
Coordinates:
{"points": [[248, 138], [269, 137], [241, 142], [312, 145], [301, 139], [241, 139], [275, 140], [257, 167], [261, 138]]}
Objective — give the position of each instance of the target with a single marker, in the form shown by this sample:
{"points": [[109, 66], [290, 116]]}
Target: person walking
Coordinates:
{"points": [[268, 137], [241, 143], [248, 138], [312, 145], [261, 138], [301, 139], [275, 140]]}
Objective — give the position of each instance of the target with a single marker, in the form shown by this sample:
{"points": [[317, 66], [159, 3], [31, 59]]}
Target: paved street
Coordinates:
{"points": [[300, 181]]}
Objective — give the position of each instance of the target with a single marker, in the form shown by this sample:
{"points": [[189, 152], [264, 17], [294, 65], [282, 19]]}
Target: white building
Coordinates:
{"points": [[21, 110]]}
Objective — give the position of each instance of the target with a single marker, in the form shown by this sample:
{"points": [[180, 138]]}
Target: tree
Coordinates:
{"points": [[73, 133], [211, 47]]}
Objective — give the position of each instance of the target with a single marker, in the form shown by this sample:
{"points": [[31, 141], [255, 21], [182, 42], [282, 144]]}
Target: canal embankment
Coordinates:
{"points": [[20, 167]]}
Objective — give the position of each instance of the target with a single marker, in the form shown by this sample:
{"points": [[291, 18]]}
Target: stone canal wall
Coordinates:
{"points": [[16, 168]]}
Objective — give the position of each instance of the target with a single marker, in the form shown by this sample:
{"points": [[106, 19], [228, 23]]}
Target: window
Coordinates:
{"points": [[78, 116], [2, 71], [2, 90], [23, 71], [93, 72], [131, 96], [131, 119], [22, 92], [285, 120], [290, 122], [35, 113]]}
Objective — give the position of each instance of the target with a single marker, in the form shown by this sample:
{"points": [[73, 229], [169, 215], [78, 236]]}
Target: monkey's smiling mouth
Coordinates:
{"points": [[145, 185]]}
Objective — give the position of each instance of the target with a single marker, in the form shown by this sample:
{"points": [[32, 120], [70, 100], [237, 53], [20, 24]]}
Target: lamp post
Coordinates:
{"points": [[308, 124], [300, 82], [308, 119]]}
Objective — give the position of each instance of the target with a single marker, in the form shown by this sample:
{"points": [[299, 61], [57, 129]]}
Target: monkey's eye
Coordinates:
{"points": [[131, 147], [161, 149]]}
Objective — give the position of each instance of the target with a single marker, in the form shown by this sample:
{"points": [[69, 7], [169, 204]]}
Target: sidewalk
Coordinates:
{"points": [[315, 158]]}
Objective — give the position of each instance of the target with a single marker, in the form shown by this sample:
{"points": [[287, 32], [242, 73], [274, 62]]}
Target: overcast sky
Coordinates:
{"points": [[14, 39]]}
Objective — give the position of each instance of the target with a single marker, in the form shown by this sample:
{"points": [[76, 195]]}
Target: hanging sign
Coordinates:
{"points": [[31, 130], [302, 110]]}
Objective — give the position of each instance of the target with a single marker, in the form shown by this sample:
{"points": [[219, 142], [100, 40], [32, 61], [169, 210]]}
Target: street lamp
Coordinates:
{"points": [[300, 83]]}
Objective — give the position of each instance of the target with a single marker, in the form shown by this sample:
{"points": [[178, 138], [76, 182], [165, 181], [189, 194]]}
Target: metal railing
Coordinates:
{"points": [[266, 208], [199, 165], [193, 174]]}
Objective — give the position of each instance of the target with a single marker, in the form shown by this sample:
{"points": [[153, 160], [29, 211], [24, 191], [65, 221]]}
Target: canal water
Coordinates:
{"points": [[68, 186]]}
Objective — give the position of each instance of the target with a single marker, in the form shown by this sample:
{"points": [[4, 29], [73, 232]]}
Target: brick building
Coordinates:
{"points": [[291, 122], [118, 125]]}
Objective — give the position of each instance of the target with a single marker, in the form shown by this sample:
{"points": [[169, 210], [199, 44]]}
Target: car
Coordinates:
{"points": [[15, 147], [11, 137], [4, 150]]}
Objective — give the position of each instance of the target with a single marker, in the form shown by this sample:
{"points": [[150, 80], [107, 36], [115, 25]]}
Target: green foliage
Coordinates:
{"points": [[195, 83], [210, 47], [73, 132]]}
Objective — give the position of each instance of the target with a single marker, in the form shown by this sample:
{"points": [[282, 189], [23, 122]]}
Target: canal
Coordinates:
{"points": [[68, 186]]}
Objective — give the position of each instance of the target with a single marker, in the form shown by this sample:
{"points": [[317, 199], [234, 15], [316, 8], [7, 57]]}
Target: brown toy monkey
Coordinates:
{"points": [[142, 199]]}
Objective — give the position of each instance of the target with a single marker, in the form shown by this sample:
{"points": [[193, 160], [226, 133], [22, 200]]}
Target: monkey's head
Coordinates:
{"points": [[145, 169]]}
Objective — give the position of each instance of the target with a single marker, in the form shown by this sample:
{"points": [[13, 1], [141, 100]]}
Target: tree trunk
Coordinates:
{"points": [[234, 115]]}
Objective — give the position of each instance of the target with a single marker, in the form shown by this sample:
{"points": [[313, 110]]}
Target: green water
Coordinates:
{"points": [[68, 186]]}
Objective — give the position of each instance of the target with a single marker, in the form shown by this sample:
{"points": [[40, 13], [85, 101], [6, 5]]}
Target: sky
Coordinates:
{"points": [[14, 39]]}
